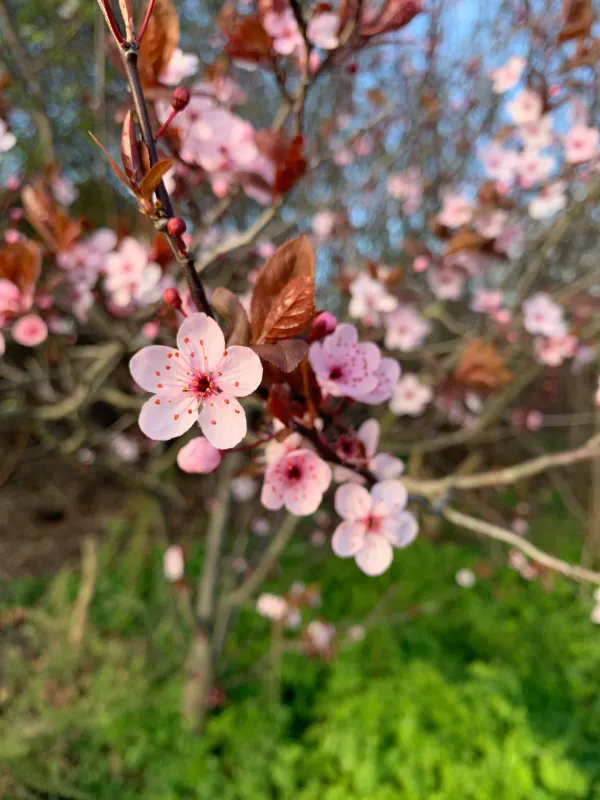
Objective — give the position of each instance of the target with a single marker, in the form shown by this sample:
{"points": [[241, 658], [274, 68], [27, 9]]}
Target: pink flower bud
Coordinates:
{"points": [[181, 98], [172, 298], [173, 563], [322, 325], [176, 227], [30, 330], [150, 329], [13, 184], [420, 263], [199, 456]]}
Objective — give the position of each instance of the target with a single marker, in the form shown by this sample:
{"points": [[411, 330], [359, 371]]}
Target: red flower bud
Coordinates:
{"points": [[181, 98], [172, 298], [176, 227]]}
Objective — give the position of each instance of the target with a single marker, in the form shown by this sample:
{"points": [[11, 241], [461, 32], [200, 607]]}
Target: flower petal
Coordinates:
{"points": [[386, 467], [167, 416], [223, 421], [201, 334], [156, 365], [369, 433], [391, 495], [198, 455], [352, 502], [376, 555], [348, 538], [401, 530], [242, 371]]}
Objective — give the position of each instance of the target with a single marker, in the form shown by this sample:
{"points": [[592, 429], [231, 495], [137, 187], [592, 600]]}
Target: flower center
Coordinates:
{"points": [[294, 473], [335, 373], [372, 523], [202, 385]]}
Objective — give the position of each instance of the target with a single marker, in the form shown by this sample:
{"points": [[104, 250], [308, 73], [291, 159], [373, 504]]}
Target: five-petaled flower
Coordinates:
{"points": [[199, 380], [373, 523], [344, 366], [297, 481]]}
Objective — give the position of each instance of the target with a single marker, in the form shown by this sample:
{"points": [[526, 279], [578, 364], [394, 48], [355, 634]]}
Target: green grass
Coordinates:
{"points": [[492, 694]]}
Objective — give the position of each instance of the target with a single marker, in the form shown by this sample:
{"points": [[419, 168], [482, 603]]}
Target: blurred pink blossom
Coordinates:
{"points": [[410, 396], [508, 75], [199, 456], [405, 329], [30, 330]]}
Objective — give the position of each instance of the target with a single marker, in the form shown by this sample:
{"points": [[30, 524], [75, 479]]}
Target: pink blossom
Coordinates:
{"points": [[173, 563], [322, 224], [465, 578], [30, 330], [456, 211], [271, 606], [407, 186], [297, 481], [131, 279], [446, 282], [510, 240], [421, 264], [534, 420], [534, 168], [284, 30], [373, 523], [383, 465], [581, 144], [260, 526], [275, 450], [2, 344], [181, 65], [541, 315], [125, 448], [537, 135], [525, 108], [410, 396], [322, 325], [490, 224], [387, 374], [318, 538], [369, 300], [150, 329], [199, 455], [64, 190], [323, 30], [198, 381], [243, 488], [12, 300], [549, 200], [7, 139], [321, 634], [554, 350], [487, 301], [508, 75], [343, 366], [499, 164], [405, 329]]}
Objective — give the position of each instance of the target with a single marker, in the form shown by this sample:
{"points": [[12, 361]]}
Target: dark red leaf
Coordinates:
{"points": [[280, 403], [130, 153], [291, 313], [159, 42], [285, 354]]}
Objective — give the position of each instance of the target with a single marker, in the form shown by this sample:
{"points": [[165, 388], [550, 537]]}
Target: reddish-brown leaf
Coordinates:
{"points": [[130, 153], [280, 403], [228, 306], [113, 164], [577, 19], [394, 14], [285, 354], [51, 222], [153, 178], [482, 366], [292, 311], [246, 37], [159, 42], [463, 240], [294, 259], [21, 263]]}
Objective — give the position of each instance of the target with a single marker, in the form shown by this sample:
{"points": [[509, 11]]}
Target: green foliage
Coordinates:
{"points": [[488, 693]]}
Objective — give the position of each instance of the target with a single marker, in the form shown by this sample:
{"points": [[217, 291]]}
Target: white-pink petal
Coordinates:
{"points": [[167, 416], [223, 421], [201, 334], [348, 538], [401, 530], [242, 371], [352, 502], [391, 495], [148, 368], [376, 555]]}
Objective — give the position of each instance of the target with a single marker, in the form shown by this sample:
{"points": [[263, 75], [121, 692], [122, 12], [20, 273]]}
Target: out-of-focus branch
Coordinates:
{"points": [[516, 541], [240, 240], [32, 86]]}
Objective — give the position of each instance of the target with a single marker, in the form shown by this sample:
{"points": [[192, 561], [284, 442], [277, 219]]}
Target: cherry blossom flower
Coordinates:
{"points": [[534, 420], [387, 374], [30, 330], [125, 448], [534, 168], [383, 465], [321, 326], [322, 224], [272, 606], [407, 186], [284, 30], [525, 108], [13, 301], [487, 301], [550, 200], [456, 211], [260, 526], [369, 300], [555, 349], [2, 344], [446, 282], [538, 134], [507, 76], [410, 396], [173, 563], [243, 488], [581, 144], [199, 456], [510, 240], [7, 139], [421, 264], [465, 578], [131, 279], [541, 315], [595, 614], [198, 381], [181, 65], [374, 522], [490, 224], [321, 634], [343, 366], [297, 481], [275, 450], [64, 190], [499, 164], [405, 329], [323, 30]]}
